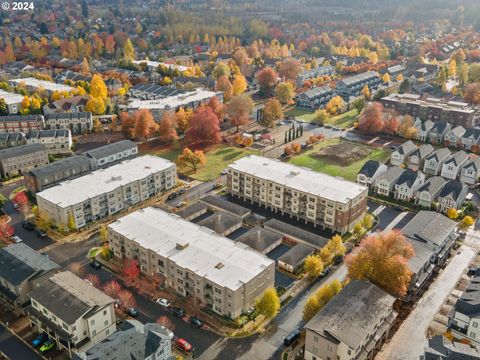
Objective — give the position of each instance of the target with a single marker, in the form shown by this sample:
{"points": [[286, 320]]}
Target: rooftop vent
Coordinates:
{"points": [[294, 172], [219, 266], [181, 246]]}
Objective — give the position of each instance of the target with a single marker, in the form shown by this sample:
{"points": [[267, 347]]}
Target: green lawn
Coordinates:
{"points": [[218, 157], [302, 114], [344, 120], [322, 165]]}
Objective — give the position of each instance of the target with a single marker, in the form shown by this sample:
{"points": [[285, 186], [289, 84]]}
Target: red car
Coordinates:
{"points": [[184, 345]]}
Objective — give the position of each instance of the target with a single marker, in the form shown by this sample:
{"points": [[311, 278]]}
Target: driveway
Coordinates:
{"points": [[14, 348], [409, 341]]}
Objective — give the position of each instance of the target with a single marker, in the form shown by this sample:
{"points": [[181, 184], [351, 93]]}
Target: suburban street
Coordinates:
{"points": [[409, 341]]}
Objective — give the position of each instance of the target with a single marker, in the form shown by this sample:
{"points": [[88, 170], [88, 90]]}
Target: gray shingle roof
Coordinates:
{"points": [[406, 148], [296, 255], [19, 262], [259, 238], [221, 222], [359, 78], [408, 178], [440, 348], [432, 185], [61, 165], [452, 188], [21, 150], [352, 314], [429, 226], [296, 233], [458, 158], [423, 151], [110, 149], [392, 173], [370, 168], [439, 154], [473, 164]]}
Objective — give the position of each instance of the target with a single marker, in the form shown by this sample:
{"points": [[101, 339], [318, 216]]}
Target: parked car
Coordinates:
{"points": [[16, 239], [16, 206], [132, 312], [41, 233], [325, 272], [117, 303], [180, 204], [39, 340], [178, 312], [337, 260], [291, 337], [95, 264], [196, 322], [182, 190], [224, 172], [184, 345], [47, 345], [27, 225], [172, 196], [163, 302]]}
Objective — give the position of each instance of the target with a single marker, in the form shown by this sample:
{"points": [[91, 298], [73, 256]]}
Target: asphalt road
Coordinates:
{"points": [[14, 348]]}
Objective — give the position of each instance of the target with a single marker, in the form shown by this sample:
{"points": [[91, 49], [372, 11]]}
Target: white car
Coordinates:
{"points": [[16, 239], [163, 302]]}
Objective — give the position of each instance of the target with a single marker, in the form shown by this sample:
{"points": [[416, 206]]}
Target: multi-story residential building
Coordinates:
{"points": [[314, 73], [107, 191], [56, 141], [432, 236], [113, 153], [353, 325], [464, 317], [454, 136], [353, 86], [23, 269], [395, 70], [153, 91], [72, 312], [429, 191], [314, 197], [441, 348], [423, 129], [471, 139], [76, 122], [436, 110], [33, 84], [470, 172], [385, 183], [54, 173], [316, 97], [433, 163], [11, 140], [194, 261], [438, 132], [452, 195], [451, 167], [12, 100], [134, 341], [416, 159], [21, 159], [21, 123], [407, 184], [400, 155], [369, 173], [190, 99]]}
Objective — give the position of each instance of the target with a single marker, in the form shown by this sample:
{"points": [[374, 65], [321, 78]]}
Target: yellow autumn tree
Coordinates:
{"points": [[239, 84]]}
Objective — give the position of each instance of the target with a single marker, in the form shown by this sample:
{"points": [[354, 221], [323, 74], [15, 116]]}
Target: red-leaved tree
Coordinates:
{"points": [[127, 298], [371, 120], [112, 288], [267, 78], [204, 126], [131, 270]]}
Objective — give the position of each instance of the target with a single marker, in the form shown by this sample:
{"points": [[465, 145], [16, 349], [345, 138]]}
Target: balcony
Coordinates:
{"points": [[458, 329]]}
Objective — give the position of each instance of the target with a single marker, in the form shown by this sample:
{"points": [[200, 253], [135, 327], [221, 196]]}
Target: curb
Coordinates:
{"points": [[22, 339]]}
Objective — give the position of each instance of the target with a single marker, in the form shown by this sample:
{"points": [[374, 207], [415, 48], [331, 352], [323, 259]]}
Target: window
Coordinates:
{"points": [[104, 312], [106, 322], [92, 322], [472, 335], [474, 324], [94, 332]]}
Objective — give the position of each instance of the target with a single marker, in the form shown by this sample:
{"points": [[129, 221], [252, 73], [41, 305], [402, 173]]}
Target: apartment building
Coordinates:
{"points": [[464, 317], [353, 85], [21, 123], [437, 110], [353, 325], [190, 99], [11, 140], [54, 173], [107, 191], [23, 269], [72, 312], [21, 159], [76, 122], [225, 275], [313, 74], [134, 341], [316, 97], [56, 141], [113, 153], [313, 197], [33, 84], [12, 100]]}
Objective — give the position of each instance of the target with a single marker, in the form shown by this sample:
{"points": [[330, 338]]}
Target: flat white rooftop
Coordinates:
{"points": [[154, 64], [47, 85], [300, 178], [172, 102], [10, 98], [223, 261], [103, 181]]}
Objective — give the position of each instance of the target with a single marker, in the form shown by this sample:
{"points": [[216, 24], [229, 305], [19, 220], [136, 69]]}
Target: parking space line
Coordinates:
{"points": [[396, 221], [378, 210]]}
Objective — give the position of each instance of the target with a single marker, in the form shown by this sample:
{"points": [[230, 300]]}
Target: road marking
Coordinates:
{"points": [[378, 210], [373, 140], [396, 221]]}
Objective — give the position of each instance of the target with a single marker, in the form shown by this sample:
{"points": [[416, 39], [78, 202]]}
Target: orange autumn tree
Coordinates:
{"points": [[383, 258]]}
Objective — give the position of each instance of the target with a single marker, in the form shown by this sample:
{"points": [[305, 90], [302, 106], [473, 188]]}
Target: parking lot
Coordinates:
{"points": [[389, 217]]}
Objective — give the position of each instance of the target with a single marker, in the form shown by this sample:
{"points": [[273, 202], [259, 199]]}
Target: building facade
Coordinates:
{"points": [[107, 191], [21, 123], [76, 122], [21, 159], [353, 85], [306, 195], [56, 141], [114, 153], [227, 276]]}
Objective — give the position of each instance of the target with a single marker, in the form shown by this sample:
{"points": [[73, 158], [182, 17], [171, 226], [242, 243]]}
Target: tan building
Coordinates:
{"points": [[21, 123], [225, 275], [322, 200], [352, 326], [21, 159], [73, 313], [107, 191], [56, 141]]}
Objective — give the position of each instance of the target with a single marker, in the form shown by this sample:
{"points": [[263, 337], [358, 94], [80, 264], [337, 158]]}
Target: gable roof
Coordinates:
{"points": [[370, 168], [408, 178], [439, 154], [406, 148], [429, 226], [473, 133], [353, 313], [458, 158], [423, 151], [432, 185], [472, 164], [452, 188], [427, 125], [457, 131], [440, 127], [110, 149], [392, 173]]}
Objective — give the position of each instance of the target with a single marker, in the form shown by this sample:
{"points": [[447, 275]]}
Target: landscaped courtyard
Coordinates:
{"points": [[342, 121], [339, 157], [217, 156]]}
